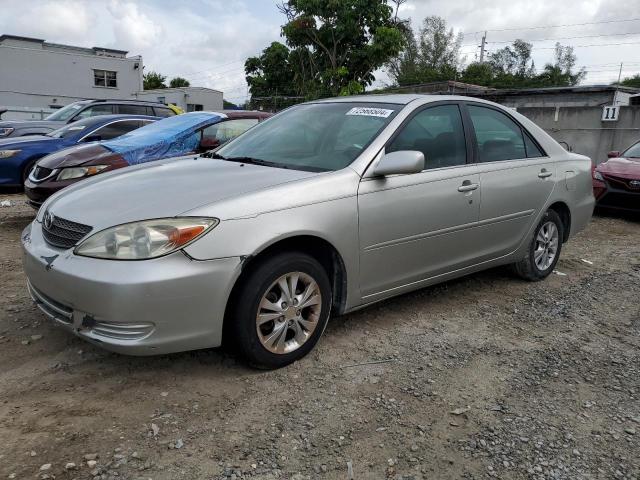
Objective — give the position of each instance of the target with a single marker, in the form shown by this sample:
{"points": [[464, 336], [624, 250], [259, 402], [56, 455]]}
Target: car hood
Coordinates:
{"points": [[164, 188], [621, 167], [48, 124], [78, 155]]}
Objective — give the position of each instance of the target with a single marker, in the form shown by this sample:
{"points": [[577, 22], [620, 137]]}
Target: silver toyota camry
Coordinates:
{"points": [[325, 208]]}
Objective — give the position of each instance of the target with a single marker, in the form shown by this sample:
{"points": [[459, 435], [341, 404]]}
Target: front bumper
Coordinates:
{"points": [[618, 199], [148, 307]]}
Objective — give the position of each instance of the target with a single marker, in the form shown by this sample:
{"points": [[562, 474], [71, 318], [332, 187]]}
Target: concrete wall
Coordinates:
{"points": [[41, 75], [211, 100], [583, 130]]}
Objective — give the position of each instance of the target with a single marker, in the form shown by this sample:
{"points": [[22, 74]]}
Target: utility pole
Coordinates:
{"points": [[482, 45], [615, 95]]}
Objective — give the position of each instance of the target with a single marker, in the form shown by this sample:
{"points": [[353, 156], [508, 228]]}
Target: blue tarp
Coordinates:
{"points": [[169, 137]]}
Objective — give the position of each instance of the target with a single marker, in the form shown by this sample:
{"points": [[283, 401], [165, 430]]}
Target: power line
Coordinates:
{"points": [[538, 27]]}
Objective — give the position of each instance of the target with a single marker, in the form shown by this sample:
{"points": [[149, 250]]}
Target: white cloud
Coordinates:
{"points": [[133, 29], [67, 21]]}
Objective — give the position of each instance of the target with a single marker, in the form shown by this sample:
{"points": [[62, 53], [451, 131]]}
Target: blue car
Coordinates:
{"points": [[19, 155], [189, 133]]}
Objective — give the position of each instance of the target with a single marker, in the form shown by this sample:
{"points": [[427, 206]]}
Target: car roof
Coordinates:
{"points": [[398, 98], [99, 119], [246, 114], [123, 101]]}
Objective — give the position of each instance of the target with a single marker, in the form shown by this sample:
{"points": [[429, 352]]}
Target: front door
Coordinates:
{"points": [[416, 226]]}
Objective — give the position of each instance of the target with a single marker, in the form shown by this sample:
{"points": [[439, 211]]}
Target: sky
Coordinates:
{"points": [[207, 41]]}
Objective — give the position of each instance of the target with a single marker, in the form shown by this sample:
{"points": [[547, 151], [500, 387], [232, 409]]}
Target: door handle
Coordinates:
{"points": [[544, 173], [467, 186]]}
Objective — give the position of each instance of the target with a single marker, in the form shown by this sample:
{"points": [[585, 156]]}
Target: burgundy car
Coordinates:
{"points": [[616, 182], [194, 132]]}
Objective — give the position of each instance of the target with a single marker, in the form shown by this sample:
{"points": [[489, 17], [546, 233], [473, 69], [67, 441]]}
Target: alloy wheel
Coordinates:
{"points": [[289, 312], [546, 247]]}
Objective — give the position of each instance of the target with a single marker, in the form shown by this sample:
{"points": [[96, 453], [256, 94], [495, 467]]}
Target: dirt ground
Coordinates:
{"points": [[486, 376]]}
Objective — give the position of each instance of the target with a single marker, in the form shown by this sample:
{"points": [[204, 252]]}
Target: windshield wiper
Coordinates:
{"points": [[254, 161]]}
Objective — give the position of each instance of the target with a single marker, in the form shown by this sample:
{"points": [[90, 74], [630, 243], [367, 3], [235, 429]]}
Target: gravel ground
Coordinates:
{"points": [[482, 377]]}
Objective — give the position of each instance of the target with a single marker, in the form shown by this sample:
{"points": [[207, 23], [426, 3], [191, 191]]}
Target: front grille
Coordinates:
{"points": [[63, 233], [122, 331], [624, 183], [40, 173]]}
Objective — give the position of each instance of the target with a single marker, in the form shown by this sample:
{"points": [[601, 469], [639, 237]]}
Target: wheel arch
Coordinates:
{"points": [[315, 246], [563, 211]]}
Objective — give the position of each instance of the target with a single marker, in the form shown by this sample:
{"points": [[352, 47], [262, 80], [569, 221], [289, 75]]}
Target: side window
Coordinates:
{"points": [[532, 149], [94, 110], [224, 131], [116, 129], [438, 133], [499, 137], [164, 112], [134, 110]]}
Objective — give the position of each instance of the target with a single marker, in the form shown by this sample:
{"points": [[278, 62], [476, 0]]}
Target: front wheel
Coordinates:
{"points": [[281, 310], [544, 249]]}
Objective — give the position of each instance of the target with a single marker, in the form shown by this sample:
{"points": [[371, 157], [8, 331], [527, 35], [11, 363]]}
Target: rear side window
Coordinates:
{"points": [[116, 129], [533, 151], [438, 133], [164, 112], [94, 110], [134, 110], [499, 137]]}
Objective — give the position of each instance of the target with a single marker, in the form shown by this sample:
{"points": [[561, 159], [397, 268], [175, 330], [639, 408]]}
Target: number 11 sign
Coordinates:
{"points": [[610, 113]]}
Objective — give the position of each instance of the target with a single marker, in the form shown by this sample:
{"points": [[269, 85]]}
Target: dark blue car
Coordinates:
{"points": [[18, 155]]}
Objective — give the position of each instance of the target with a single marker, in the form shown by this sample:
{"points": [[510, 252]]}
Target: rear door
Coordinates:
{"points": [[516, 175], [416, 226]]}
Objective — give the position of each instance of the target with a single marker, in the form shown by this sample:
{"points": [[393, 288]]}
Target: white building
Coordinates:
{"points": [[189, 99], [37, 77]]}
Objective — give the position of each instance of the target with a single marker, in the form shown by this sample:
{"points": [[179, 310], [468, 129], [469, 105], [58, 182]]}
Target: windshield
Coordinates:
{"points": [[65, 113], [316, 137], [71, 129], [632, 152]]}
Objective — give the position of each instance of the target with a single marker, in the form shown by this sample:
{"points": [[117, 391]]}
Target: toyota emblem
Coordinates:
{"points": [[48, 220], [634, 183]]}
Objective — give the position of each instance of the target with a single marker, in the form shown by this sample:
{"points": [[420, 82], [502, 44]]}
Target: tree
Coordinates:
{"points": [[560, 73], [433, 56], [633, 81], [229, 105], [153, 80], [340, 43], [271, 74], [178, 82]]}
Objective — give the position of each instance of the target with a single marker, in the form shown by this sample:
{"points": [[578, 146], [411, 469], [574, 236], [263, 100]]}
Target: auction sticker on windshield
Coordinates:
{"points": [[370, 112]]}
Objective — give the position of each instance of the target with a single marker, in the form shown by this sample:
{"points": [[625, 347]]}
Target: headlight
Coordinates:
{"points": [[8, 153], [598, 176], [146, 239], [78, 172], [6, 131]]}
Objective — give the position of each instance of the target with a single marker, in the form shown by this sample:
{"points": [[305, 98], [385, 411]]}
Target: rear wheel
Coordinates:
{"points": [[281, 310], [544, 249]]}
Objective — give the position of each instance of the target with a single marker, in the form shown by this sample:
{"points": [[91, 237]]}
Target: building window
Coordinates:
{"points": [[105, 78], [162, 100], [194, 107]]}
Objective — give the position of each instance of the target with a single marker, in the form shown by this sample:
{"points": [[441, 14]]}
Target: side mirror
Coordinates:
{"points": [[613, 154], [92, 138], [400, 163]]}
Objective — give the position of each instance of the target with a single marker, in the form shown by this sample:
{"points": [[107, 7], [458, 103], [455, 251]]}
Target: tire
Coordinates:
{"points": [[533, 268], [287, 334]]}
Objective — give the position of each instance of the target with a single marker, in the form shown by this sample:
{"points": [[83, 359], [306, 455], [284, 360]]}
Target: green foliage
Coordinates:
{"points": [[333, 48], [228, 105], [633, 81], [178, 82], [433, 55], [153, 80]]}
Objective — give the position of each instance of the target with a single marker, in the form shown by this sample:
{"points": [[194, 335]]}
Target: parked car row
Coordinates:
{"points": [[47, 163], [325, 208]]}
